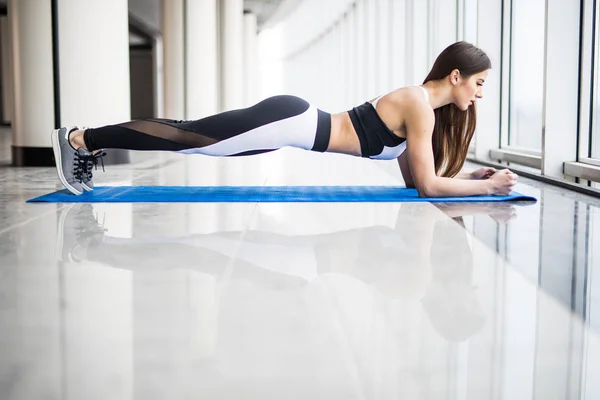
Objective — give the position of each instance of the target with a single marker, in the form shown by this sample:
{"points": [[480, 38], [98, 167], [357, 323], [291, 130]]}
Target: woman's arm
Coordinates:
{"points": [[419, 126], [405, 169], [463, 175]]}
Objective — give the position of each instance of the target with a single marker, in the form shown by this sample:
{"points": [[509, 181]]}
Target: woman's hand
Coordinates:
{"points": [[483, 173], [502, 182]]}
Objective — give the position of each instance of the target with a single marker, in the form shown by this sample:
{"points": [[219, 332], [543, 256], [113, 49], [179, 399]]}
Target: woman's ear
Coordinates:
{"points": [[454, 75]]}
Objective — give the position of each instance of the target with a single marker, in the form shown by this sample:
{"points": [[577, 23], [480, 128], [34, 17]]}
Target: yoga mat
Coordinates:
{"points": [[212, 194]]}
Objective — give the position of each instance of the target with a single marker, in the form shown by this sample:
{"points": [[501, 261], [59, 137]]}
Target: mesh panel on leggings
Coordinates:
{"points": [[171, 131], [147, 135]]}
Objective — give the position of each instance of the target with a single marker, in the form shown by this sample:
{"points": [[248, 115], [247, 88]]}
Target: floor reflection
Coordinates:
{"points": [[432, 262]]}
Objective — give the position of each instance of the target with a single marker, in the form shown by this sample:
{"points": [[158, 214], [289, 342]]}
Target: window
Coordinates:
{"points": [[526, 74], [470, 21], [595, 136], [469, 34], [593, 276]]}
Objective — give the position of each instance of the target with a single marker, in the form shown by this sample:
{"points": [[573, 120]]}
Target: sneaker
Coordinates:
{"points": [[77, 229], [71, 164]]}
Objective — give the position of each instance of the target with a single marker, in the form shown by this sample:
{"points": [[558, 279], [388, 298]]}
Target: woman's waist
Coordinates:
{"points": [[344, 138]]}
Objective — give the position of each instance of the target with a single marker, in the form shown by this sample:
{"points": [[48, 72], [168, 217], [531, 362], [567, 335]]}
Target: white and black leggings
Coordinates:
{"points": [[273, 123]]}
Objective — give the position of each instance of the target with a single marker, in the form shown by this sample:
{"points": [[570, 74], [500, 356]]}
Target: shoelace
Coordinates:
{"points": [[79, 166], [92, 162]]}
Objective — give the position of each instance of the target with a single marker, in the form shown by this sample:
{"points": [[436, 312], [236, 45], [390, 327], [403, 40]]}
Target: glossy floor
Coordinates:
{"points": [[303, 301]]}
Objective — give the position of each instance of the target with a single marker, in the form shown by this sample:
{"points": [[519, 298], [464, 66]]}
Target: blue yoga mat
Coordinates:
{"points": [[250, 194]]}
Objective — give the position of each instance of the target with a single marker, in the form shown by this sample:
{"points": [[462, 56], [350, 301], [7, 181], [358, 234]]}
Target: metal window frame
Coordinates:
{"points": [[581, 170], [526, 157], [590, 161], [504, 139], [587, 78]]}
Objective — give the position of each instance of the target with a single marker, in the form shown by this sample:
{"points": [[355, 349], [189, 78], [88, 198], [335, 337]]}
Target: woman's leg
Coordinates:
{"points": [[269, 125]]}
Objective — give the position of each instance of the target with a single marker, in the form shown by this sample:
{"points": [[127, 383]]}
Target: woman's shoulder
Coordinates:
{"points": [[413, 103], [410, 95]]}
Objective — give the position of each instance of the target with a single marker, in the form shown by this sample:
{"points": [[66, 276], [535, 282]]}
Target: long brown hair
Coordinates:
{"points": [[454, 128]]}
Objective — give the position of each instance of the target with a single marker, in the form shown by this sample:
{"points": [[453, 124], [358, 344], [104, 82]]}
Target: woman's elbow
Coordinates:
{"points": [[426, 189], [425, 193]]}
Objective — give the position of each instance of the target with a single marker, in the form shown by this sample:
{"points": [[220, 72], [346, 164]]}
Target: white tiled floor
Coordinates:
{"points": [[327, 300]]}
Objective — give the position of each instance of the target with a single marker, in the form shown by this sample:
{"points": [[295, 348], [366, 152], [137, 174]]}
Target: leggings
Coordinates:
{"points": [[273, 123]]}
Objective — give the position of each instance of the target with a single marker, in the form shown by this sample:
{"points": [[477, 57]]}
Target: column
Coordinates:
{"points": [[351, 60], [383, 38], [173, 59], [30, 23], [232, 56], [399, 55], [371, 49], [7, 71], [251, 77], [93, 65], [347, 60], [420, 40], [359, 34], [201, 58]]}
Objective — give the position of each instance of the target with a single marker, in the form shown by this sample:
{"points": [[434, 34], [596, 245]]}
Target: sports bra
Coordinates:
{"points": [[377, 141]]}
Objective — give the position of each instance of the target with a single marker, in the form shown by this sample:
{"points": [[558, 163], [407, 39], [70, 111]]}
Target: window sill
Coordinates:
{"points": [[529, 159], [583, 171]]}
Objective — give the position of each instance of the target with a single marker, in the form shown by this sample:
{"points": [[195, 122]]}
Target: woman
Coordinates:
{"points": [[433, 122]]}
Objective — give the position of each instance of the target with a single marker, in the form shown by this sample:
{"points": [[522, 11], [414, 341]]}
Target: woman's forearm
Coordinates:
{"points": [[463, 175], [446, 187]]}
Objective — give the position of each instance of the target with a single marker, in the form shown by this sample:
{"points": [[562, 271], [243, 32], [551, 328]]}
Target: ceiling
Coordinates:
{"points": [[149, 11], [263, 9]]}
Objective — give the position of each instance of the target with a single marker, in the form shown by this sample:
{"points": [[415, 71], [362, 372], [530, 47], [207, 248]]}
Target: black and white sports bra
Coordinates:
{"points": [[376, 140]]}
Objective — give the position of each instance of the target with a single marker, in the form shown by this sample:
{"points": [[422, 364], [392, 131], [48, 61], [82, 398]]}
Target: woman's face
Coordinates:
{"points": [[468, 90]]}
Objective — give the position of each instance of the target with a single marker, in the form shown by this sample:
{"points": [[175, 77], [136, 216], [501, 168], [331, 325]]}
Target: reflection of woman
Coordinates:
{"points": [[429, 261], [451, 300], [369, 254]]}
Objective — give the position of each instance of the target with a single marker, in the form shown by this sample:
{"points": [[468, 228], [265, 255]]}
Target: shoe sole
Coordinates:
{"points": [[56, 148]]}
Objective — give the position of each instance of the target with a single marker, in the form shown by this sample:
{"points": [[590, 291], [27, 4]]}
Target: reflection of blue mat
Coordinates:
{"points": [[213, 194]]}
